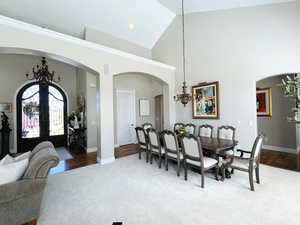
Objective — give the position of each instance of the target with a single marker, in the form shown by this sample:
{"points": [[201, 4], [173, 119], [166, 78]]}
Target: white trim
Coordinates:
{"points": [[92, 149], [59, 36], [279, 149], [131, 91], [106, 160]]}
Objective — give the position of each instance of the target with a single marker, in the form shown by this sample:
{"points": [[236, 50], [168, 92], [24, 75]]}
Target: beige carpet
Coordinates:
{"points": [[137, 193]]}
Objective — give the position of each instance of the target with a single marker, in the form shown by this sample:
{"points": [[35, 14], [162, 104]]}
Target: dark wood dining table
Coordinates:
{"points": [[218, 147]]}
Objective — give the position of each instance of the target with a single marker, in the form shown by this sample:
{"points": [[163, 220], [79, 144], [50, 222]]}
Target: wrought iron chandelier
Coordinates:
{"points": [[184, 97], [42, 75]]}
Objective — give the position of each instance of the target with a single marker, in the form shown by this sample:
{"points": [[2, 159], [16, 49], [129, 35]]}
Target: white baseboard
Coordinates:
{"points": [[279, 149], [92, 149], [104, 161]]}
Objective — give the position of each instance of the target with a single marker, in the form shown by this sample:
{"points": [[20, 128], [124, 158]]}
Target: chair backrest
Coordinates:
{"points": [[177, 126], [190, 128], [154, 138], [141, 135], [205, 130], [226, 132], [170, 141], [147, 126], [257, 146], [191, 147]]}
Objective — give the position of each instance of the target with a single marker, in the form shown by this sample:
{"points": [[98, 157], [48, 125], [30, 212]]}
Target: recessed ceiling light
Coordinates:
{"points": [[131, 26]]}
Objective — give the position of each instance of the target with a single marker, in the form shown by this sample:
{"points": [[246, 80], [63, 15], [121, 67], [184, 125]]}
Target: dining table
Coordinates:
{"points": [[218, 148]]}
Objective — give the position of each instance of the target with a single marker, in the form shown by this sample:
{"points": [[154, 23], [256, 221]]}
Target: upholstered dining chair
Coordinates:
{"points": [[226, 132], [193, 156], [147, 126], [248, 164], [177, 127], [143, 144], [155, 145], [172, 151], [190, 128], [205, 130]]}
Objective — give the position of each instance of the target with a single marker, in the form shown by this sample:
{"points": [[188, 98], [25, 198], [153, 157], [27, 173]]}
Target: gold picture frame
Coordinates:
{"points": [[206, 101], [5, 107], [264, 102]]}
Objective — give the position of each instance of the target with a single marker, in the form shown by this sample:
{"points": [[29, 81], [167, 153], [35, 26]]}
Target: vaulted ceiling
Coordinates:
{"points": [[149, 17]]}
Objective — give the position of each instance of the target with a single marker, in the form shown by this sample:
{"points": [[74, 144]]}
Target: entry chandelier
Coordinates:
{"points": [[41, 74], [183, 97]]}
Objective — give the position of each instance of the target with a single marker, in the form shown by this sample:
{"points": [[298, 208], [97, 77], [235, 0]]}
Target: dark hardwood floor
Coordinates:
{"points": [[282, 160]]}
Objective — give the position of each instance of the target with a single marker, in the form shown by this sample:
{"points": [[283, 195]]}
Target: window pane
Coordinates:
{"points": [[56, 112], [31, 112]]}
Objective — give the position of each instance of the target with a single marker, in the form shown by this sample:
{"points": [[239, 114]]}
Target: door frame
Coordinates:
{"points": [[15, 134], [131, 91]]}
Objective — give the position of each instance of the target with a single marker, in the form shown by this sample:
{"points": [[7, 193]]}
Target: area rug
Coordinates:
{"points": [[136, 193]]}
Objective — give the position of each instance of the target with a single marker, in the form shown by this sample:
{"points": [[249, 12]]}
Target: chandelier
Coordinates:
{"points": [[184, 97], [41, 74]]}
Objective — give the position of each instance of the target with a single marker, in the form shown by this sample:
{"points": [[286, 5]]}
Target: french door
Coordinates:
{"points": [[41, 116]]}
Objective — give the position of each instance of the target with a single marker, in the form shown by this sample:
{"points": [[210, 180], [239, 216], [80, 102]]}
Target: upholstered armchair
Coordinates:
{"points": [[248, 164], [20, 201]]}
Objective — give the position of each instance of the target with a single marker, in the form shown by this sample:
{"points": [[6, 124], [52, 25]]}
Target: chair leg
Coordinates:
{"points": [[257, 175], [147, 156], [151, 157], [232, 171], [202, 179], [159, 164], [166, 162], [185, 171], [217, 173], [251, 179], [223, 172], [178, 168], [140, 154]]}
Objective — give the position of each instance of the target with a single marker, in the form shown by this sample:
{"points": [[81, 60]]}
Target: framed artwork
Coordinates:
{"points": [[206, 101], [5, 107], [144, 107], [264, 101]]}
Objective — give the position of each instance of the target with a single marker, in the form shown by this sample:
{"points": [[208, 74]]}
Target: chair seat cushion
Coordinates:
{"points": [[172, 155], [240, 163], [208, 162], [155, 150]]}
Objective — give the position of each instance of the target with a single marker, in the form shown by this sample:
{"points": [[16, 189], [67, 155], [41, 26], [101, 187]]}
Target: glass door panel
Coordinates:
{"points": [[56, 112], [31, 113]]}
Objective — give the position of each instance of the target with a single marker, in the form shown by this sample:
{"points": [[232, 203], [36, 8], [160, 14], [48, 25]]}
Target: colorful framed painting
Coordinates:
{"points": [[264, 102], [206, 101], [5, 107]]}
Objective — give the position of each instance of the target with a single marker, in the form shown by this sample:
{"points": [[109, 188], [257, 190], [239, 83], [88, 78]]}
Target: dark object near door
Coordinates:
{"points": [[5, 133], [41, 116]]}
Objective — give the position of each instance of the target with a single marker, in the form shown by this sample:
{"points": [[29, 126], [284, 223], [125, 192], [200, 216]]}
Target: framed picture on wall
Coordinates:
{"points": [[264, 101], [144, 107], [206, 101], [5, 107]]}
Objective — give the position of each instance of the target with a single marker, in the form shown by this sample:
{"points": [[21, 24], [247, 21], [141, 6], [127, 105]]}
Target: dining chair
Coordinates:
{"points": [[205, 130], [177, 126], [226, 132], [190, 128], [143, 144], [248, 164], [155, 145], [193, 156], [147, 125], [172, 150]]}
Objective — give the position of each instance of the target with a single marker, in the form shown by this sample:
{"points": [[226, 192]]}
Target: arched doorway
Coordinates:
{"points": [[41, 115]]}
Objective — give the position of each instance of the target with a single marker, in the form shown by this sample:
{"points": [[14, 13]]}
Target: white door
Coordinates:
{"points": [[126, 116]]}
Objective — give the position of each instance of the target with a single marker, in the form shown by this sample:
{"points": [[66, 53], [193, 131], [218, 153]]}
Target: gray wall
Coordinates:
{"points": [[236, 47], [146, 87], [12, 76], [278, 131], [108, 40]]}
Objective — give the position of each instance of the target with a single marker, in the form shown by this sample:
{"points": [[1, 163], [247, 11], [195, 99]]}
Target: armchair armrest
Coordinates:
{"points": [[242, 152], [19, 189]]}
